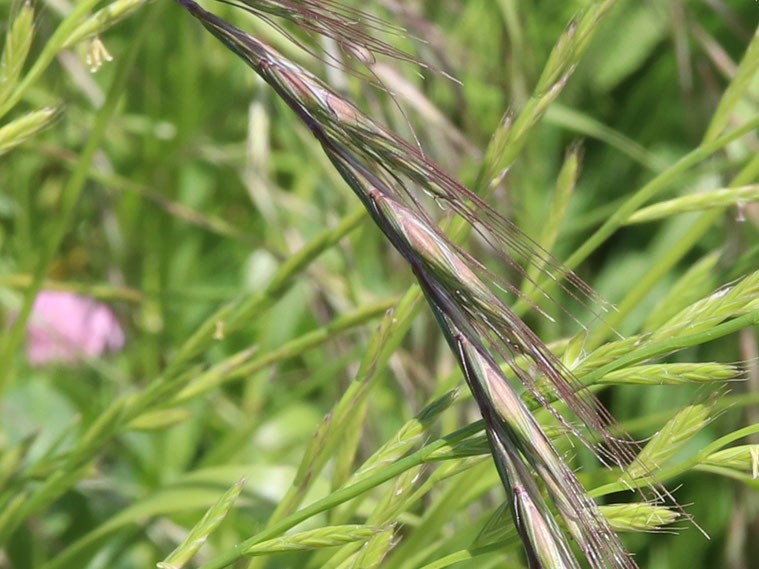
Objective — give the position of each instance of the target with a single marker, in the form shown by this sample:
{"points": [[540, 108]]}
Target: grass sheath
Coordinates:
{"points": [[390, 177]]}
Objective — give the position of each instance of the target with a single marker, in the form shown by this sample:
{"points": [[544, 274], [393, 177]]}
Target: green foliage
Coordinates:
{"points": [[272, 334]]}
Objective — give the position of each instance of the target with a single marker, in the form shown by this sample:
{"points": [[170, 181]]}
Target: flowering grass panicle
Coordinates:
{"points": [[391, 177]]}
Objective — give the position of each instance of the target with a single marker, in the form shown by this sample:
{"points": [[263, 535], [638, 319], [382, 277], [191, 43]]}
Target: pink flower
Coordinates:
{"points": [[68, 328]]}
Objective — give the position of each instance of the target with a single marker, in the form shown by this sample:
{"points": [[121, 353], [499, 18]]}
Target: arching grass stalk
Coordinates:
{"points": [[389, 175]]}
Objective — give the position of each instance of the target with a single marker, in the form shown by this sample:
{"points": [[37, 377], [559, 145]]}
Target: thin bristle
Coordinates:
{"points": [[355, 32]]}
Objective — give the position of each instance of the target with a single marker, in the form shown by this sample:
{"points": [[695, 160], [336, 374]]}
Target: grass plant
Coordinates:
{"points": [[285, 397]]}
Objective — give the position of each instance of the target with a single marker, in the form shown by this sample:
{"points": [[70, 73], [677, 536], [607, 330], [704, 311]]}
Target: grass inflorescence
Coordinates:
{"points": [[380, 169], [315, 378]]}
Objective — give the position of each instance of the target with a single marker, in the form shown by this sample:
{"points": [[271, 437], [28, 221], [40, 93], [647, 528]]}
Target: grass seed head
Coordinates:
{"points": [[386, 173], [17, 43], [743, 457], [671, 438], [329, 536], [25, 127], [544, 542], [638, 517], [518, 426], [200, 532], [672, 374]]}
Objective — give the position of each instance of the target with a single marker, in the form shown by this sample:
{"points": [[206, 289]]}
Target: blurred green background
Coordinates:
{"points": [[205, 184]]}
